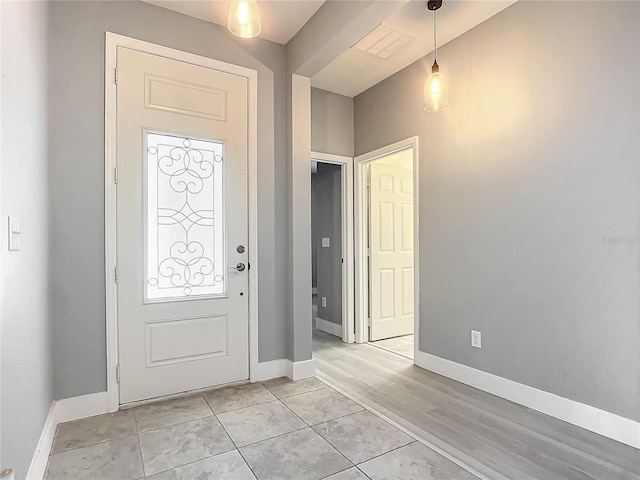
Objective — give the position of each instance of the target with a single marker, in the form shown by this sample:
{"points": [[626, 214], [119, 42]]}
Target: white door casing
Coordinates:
{"points": [[391, 251], [182, 149]]}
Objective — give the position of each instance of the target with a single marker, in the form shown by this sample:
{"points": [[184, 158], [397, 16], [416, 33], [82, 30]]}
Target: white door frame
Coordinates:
{"points": [[361, 201], [346, 180], [114, 41]]}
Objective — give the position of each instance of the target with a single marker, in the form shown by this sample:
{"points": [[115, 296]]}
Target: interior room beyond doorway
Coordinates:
{"points": [[326, 247], [389, 237]]}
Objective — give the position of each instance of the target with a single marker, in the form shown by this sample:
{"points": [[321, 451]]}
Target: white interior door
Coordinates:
{"points": [[391, 251], [181, 226]]}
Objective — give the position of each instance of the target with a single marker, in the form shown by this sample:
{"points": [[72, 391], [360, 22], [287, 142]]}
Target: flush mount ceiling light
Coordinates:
{"points": [[244, 18], [436, 91]]}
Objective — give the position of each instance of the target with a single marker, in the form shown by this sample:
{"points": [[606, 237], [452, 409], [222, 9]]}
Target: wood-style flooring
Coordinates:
{"points": [[489, 436]]}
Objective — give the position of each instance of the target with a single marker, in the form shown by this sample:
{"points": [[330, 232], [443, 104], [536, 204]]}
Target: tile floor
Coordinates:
{"points": [[400, 345], [275, 430]]}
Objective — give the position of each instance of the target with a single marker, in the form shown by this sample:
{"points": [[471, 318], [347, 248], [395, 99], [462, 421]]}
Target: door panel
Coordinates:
{"points": [[391, 251], [181, 213]]}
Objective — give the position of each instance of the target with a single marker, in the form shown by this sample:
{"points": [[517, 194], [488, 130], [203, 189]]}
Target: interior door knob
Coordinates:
{"points": [[239, 267]]}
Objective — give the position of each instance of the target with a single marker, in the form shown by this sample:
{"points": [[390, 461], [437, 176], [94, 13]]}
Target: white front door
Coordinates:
{"points": [[391, 251], [181, 226]]}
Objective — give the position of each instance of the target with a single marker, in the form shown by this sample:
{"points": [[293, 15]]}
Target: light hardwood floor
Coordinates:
{"points": [[490, 436]]}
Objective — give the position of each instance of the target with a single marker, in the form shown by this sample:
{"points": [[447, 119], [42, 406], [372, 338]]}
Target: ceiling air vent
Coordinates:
{"points": [[383, 42]]}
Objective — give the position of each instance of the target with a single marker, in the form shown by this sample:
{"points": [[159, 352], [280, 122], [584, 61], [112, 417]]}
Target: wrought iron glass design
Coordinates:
{"points": [[185, 225]]}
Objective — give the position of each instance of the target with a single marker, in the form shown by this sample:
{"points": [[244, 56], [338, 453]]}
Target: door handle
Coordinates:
{"points": [[239, 267]]}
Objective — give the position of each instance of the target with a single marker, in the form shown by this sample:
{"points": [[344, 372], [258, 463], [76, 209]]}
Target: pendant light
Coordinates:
{"points": [[436, 91], [244, 18]]}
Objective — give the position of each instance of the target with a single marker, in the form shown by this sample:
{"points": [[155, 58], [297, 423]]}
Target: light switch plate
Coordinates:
{"points": [[476, 339], [15, 232], [324, 302], [326, 243]]}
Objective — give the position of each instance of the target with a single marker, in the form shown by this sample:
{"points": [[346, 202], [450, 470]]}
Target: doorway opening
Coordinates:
{"points": [[332, 245], [386, 248]]}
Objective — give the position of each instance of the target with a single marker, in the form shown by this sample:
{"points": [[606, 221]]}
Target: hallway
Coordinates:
{"points": [[490, 436]]}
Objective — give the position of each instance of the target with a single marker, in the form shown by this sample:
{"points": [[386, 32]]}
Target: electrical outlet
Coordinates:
{"points": [[326, 242], [324, 302], [476, 339]]}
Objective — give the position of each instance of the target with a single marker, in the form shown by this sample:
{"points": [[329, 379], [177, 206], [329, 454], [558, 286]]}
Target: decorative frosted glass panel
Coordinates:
{"points": [[185, 224]]}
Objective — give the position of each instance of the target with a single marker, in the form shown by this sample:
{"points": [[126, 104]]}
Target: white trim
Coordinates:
{"points": [[329, 327], [605, 423], [43, 449], [273, 369], [83, 406], [348, 281], [112, 42], [284, 367], [62, 411], [300, 370], [331, 158], [361, 263]]}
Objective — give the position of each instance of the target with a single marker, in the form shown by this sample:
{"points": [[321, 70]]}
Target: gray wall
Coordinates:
{"points": [[76, 114], [300, 309], [331, 123], [529, 189], [25, 324], [328, 215]]}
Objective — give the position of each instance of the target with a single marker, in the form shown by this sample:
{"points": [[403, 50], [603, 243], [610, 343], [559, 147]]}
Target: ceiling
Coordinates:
{"points": [[406, 35], [354, 71], [281, 19]]}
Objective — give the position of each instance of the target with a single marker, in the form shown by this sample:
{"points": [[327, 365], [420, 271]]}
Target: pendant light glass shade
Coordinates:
{"points": [[244, 18], [436, 91]]}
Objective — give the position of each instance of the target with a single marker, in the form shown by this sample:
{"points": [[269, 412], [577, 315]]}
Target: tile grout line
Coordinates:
{"points": [[413, 440], [213, 414], [275, 436], [247, 463], [246, 406], [135, 425], [307, 426], [383, 454], [303, 393], [144, 470], [360, 470], [362, 409], [299, 393], [314, 430], [189, 463], [174, 424], [236, 447], [338, 473]]}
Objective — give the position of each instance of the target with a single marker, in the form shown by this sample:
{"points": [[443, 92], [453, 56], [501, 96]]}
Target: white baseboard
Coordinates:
{"points": [[300, 370], [62, 411], [41, 456], [284, 368], [329, 327], [84, 406], [605, 423], [273, 369]]}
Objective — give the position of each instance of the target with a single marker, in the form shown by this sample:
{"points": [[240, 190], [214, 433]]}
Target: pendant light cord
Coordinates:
{"points": [[435, 43]]}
